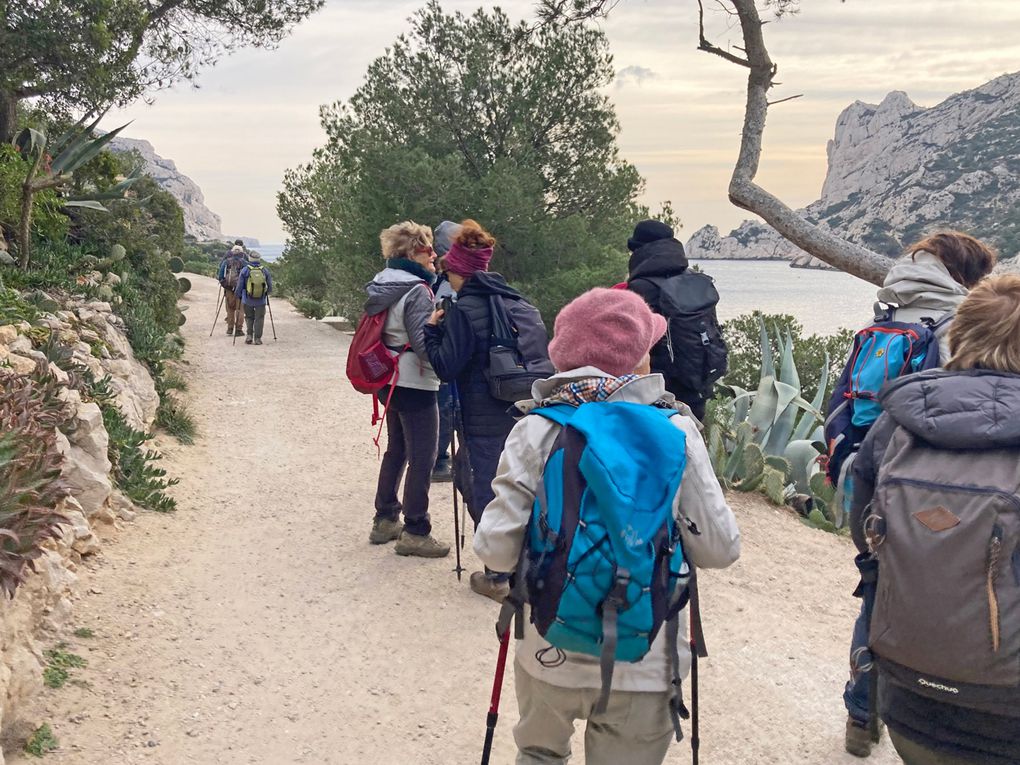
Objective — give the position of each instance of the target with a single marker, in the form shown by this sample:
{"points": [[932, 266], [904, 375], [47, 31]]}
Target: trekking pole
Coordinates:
{"points": [[695, 738], [271, 322], [497, 688], [219, 304], [456, 514]]}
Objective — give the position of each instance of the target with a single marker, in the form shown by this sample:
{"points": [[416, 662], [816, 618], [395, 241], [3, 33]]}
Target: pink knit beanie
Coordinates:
{"points": [[605, 328]]}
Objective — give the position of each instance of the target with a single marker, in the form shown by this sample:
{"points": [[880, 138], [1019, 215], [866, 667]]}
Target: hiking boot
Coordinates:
{"points": [[858, 738], [248, 341], [238, 332], [230, 331], [385, 530], [421, 546], [490, 588], [258, 341], [442, 472]]}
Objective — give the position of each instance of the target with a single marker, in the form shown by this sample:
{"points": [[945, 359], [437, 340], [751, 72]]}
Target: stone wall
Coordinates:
{"points": [[41, 608]]}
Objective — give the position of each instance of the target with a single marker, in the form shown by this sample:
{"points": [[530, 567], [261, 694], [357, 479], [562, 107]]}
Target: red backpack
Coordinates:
{"points": [[371, 365]]}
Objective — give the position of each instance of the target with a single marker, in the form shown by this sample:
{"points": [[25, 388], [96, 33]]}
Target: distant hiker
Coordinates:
{"points": [[937, 505], [444, 233], [692, 355], [403, 290], [662, 505], [909, 334], [231, 265], [462, 349], [254, 286]]}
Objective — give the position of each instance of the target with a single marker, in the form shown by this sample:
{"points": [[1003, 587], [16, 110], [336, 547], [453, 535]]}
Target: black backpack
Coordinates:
{"points": [[692, 354], [518, 349]]}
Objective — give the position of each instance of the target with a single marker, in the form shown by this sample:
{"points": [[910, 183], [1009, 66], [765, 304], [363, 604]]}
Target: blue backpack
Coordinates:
{"points": [[603, 562], [881, 352]]}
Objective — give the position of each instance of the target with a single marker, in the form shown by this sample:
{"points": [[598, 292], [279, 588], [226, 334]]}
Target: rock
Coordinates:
{"points": [[136, 393], [21, 364], [99, 306], [77, 530], [898, 171], [20, 344], [123, 507], [6, 260], [87, 473], [199, 221], [59, 374], [8, 333]]}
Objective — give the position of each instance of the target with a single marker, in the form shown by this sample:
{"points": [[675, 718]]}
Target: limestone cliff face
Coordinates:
{"points": [[199, 221], [897, 171]]}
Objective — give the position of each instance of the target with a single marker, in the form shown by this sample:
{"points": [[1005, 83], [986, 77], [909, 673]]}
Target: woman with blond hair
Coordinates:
{"points": [[937, 506], [458, 348], [404, 290]]}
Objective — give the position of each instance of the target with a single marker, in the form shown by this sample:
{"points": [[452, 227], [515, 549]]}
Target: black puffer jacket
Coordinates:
{"points": [[458, 350]]}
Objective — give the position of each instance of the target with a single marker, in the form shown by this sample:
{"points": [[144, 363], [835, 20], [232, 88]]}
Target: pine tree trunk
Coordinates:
{"points": [[8, 115], [25, 227]]}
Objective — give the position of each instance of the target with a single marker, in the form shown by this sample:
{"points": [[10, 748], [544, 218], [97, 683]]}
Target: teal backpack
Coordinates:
{"points": [[603, 565]]}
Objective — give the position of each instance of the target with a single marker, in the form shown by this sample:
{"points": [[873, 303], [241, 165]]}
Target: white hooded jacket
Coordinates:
{"points": [[700, 500]]}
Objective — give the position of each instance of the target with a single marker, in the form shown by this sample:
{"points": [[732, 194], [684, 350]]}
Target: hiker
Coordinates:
{"points": [[459, 350], [601, 346], [936, 500], [692, 355], [444, 235], [229, 272], [254, 286], [922, 292], [404, 290]]}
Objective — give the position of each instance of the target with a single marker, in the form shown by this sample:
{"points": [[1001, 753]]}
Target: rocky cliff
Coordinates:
{"points": [[199, 221], [897, 171]]}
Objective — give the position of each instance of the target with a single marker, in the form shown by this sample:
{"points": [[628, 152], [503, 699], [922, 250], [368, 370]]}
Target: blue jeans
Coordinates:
{"points": [[857, 694]]}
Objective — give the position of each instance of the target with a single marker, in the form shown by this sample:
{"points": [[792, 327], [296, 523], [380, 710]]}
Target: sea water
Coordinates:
{"points": [[823, 301]]}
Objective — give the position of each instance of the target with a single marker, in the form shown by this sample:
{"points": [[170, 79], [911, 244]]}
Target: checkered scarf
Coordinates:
{"points": [[588, 390]]}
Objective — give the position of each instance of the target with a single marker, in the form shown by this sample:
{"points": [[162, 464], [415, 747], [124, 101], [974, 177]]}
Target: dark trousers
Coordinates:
{"points": [[256, 316], [857, 694], [483, 453], [411, 444], [914, 754], [445, 421]]}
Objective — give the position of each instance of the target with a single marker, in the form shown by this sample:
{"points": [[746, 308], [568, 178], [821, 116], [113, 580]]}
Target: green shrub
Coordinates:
{"points": [[14, 308], [59, 663], [41, 741], [201, 267], [313, 309], [134, 466], [175, 419]]}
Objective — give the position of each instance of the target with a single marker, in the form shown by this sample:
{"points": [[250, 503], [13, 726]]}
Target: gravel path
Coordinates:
{"points": [[256, 625]]}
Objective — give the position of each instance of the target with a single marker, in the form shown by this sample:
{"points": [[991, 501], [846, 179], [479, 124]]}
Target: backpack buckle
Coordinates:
{"points": [[705, 339], [617, 597]]}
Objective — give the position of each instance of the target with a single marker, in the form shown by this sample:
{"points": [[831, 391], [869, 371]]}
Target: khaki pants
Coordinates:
{"points": [[235, 310], [635, 729]]}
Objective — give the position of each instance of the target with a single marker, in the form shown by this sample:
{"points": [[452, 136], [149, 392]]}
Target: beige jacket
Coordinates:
{"points": [[700, 501]]}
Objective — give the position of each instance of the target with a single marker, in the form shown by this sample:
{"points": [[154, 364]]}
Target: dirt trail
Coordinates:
{"points": [[256, 625]]}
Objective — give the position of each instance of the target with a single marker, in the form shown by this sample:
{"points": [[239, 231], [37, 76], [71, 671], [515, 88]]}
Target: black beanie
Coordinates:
{"points": [[648, 231]]}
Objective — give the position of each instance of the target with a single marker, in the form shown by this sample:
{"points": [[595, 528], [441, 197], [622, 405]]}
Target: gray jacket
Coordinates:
{"points": [[921, 288], [409, 301]]}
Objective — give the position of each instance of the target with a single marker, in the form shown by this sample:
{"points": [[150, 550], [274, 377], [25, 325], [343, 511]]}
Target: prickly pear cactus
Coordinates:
{"points": [[181, 319], [717, 450], [117, 253], [176, 264], [105, 293], [781, 464], [825, 496], [774, 485], [183, 284]]}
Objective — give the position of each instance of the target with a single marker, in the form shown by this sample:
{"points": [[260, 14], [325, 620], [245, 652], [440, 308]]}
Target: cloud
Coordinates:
{"points": [[637, 75]]}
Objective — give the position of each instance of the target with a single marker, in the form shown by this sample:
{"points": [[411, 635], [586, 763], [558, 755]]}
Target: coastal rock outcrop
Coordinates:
{"points": [[897, 171]]}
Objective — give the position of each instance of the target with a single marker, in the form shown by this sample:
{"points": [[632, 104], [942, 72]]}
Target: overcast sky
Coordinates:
{"points": [[256, 113]]}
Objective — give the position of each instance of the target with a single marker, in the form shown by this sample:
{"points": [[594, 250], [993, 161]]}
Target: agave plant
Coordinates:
{"points": [[769, 440], [51, 166]]}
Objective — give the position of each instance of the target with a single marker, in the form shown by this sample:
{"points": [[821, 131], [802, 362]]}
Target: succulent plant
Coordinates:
{"points": [[176, 264], [774, 485], [181, 319], [117, 253], [183, 284]]}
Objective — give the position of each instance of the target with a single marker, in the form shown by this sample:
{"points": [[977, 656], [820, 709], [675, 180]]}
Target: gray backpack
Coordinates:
{"points": [[945, 527]]}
